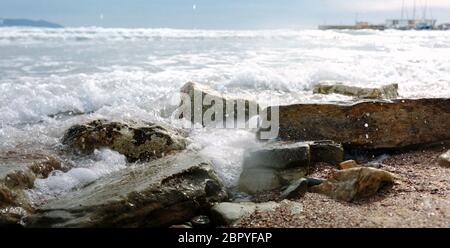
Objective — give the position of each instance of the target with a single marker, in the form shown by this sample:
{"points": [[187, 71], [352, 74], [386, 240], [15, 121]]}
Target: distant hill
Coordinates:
{"points": [[4, 22]]}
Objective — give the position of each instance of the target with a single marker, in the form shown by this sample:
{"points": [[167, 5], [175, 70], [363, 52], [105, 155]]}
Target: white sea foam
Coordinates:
{"points": [[135, 74], [104, 162]]}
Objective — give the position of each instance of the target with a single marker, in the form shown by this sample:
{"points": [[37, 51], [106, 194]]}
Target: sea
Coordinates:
{"points": [[51, 79]]}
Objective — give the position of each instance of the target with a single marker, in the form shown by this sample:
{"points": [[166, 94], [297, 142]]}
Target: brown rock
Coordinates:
{"points": [[135, 141], [348, 165], [370, 125], [444, 159], [18, 171], [353, 184]]}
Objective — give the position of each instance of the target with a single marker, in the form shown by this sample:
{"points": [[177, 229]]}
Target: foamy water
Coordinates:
{"points": [[135, 74]]}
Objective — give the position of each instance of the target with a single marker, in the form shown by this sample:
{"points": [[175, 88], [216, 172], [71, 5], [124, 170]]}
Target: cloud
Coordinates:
{"points": [[386, 5]]}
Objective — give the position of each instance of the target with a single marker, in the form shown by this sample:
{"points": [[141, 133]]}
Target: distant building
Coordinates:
{"points": [[409, 24]]}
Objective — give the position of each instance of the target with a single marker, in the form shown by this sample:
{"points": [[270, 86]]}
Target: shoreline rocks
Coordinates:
{"points": [[389, 91], [280, 163], [369, 125], [18, 171], [200, 94], [159, 193], [354, 184], [135, 141]]}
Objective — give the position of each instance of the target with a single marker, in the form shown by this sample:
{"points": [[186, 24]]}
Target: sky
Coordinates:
{"points": [[217, 14]]}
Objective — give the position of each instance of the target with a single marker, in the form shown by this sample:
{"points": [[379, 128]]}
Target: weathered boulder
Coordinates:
{"points": [[296, 189], [201, 98], [387, 92], [444, 159], [353, 184], [136, 141], [229, 213], [368, 125], [18, 171], [280, 163], [254, 180], [278, 155], [326, 151], [348, 165], [162, 192]]}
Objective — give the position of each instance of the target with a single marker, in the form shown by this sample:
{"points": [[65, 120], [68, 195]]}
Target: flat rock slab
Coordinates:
{"points": [[163, 192], [370, 124], [143, 141], [389, 91]]}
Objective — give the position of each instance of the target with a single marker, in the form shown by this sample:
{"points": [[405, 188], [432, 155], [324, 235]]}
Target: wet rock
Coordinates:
{"points": [[201, 221], [254, 180], [313, 181], [290, 175], [281, 163], [348, 165], [18, 171], [162, 192], [183, 226], [444, 159], [355, 183], [228, 213], [368, 125], [231, 107], [326, 151], [376, 165], [278, 155], [387, 92], [296, 189], [136, 141]]}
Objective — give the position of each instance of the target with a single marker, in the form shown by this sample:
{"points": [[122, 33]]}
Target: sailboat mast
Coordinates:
{"points": [[403, 10]]}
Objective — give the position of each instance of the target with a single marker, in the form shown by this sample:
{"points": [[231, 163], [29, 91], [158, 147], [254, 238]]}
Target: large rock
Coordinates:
{"points": [[254, 180], [369, 125], [163, 192], [387, 92], [136, 141], [278, 155], [353, 184], [18, 171], [326, 151], [229, 213], [444, 159], [280, 163], [203, 99]]}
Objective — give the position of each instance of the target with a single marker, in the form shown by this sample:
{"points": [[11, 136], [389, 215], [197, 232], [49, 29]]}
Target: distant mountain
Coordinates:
{"points": [[27, 23]]}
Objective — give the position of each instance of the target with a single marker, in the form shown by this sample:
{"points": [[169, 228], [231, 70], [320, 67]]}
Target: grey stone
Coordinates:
{"points": [[162, 192]]}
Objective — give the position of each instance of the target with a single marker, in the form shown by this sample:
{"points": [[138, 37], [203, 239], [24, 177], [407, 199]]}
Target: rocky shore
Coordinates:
{"points": [[366, 163]]}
